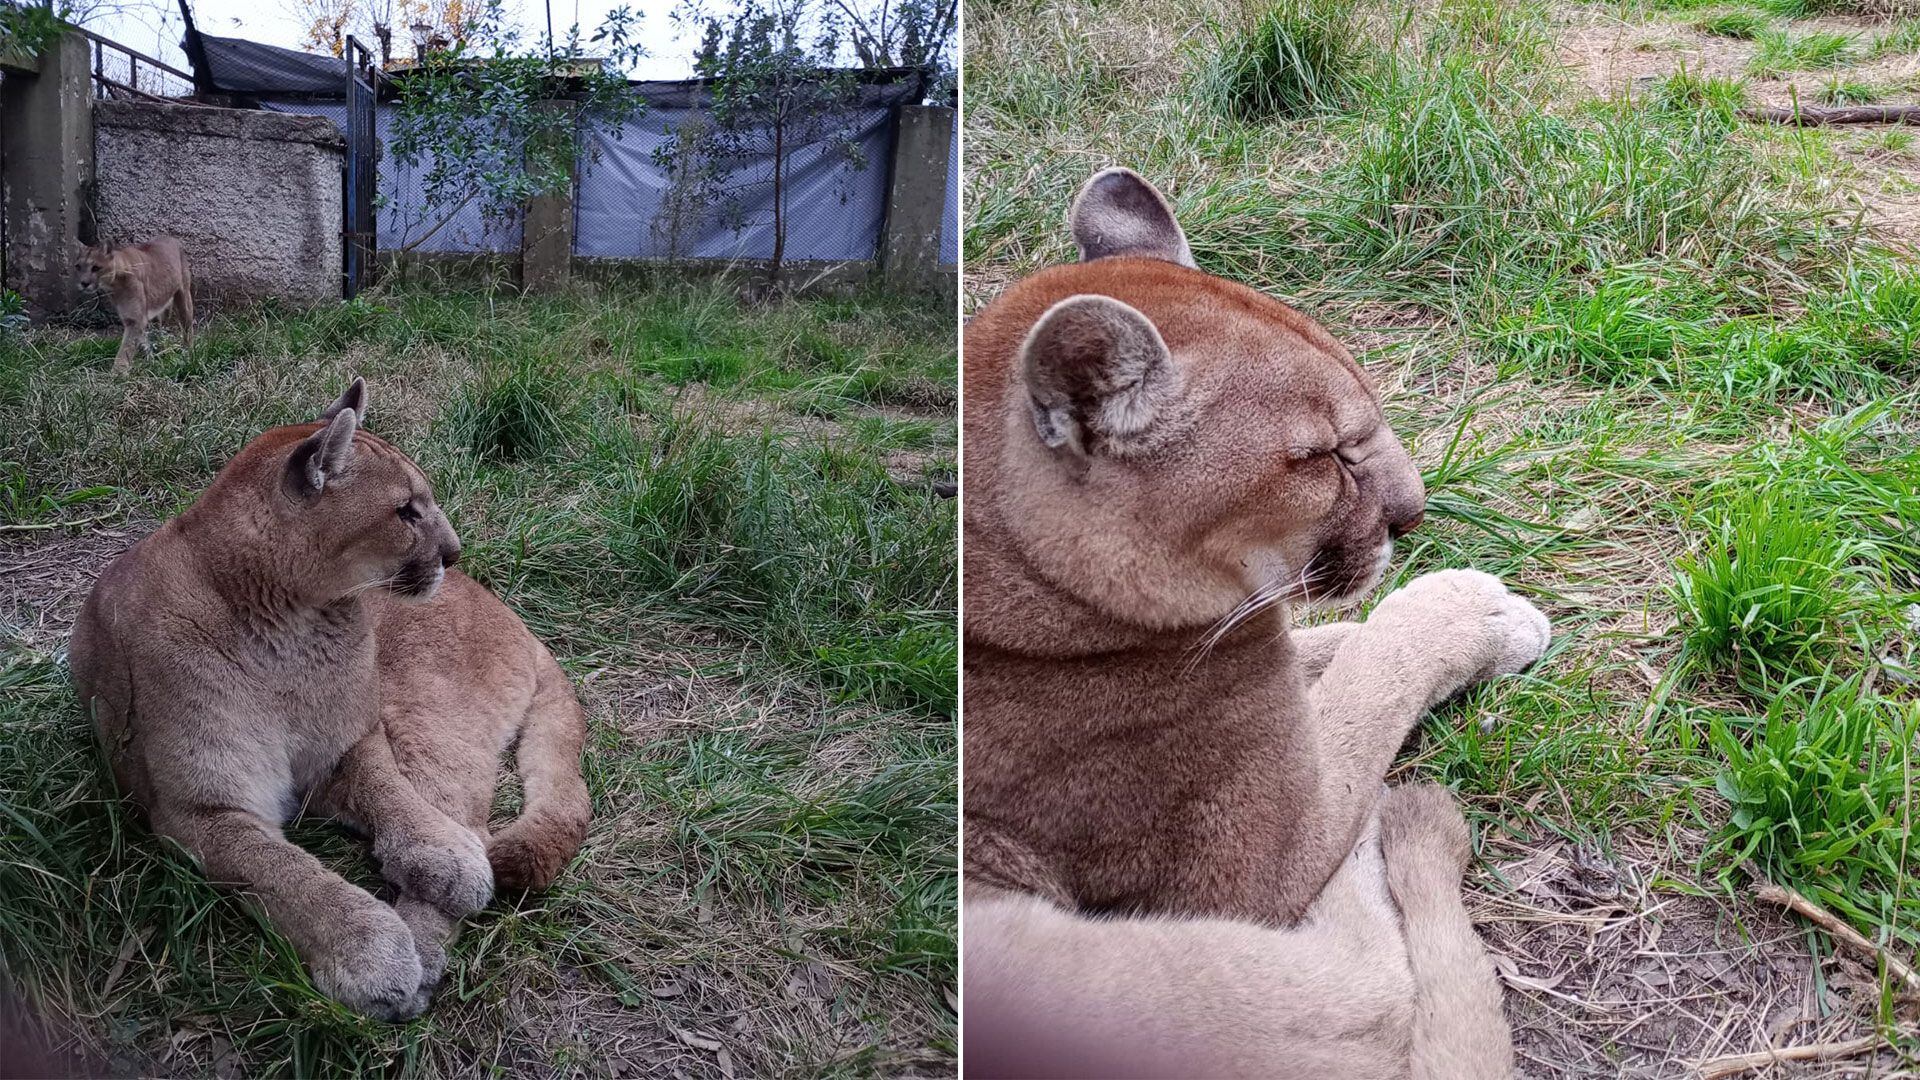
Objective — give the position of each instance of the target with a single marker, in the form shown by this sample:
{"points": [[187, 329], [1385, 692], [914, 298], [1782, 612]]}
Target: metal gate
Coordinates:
{"points": [[363, 168]]}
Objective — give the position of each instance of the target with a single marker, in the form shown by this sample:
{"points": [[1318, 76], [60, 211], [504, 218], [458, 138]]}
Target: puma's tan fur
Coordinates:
{"points": [[143, 282], [295, 641], [1054, 993], [1158, 462]]}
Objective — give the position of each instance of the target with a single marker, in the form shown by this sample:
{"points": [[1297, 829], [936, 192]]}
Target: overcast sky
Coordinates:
{"points": [[154, 27]]}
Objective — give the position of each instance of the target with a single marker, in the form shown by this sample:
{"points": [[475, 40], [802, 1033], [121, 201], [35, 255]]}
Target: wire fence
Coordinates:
{"points": [[626, 205], [628, 201], [120, 72]]}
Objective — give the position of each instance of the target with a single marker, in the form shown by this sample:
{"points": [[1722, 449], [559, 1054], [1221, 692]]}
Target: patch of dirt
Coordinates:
{"points": [[1609, 55], [45, 577], [1611, 975]]}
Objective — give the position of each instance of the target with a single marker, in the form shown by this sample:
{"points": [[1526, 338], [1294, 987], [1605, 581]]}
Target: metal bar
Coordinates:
{"points": [[125, 89], [163, 66]]}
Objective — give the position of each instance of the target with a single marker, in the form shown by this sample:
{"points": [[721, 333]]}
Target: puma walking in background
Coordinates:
{"points": [[142, 282]]}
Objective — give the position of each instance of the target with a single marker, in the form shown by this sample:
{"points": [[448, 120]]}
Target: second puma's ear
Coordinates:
{"points": [[355, 398], [1118, 213]]}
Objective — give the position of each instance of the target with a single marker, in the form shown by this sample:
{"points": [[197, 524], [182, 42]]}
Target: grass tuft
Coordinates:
{"points": [[1770, 589], [1781, 52], [1742, 24], [1820, 796], [1291, 59]]}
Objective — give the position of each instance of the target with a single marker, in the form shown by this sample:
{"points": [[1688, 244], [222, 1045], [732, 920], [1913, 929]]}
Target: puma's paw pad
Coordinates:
{"points": [[371, 966], [451, 873]]}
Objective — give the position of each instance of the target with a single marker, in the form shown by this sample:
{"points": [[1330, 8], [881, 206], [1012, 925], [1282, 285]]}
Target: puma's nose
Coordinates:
{"points": [[449, 553], [1406, 525]]}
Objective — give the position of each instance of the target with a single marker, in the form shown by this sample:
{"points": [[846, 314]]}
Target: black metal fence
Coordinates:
{"points": [[361, 236]]}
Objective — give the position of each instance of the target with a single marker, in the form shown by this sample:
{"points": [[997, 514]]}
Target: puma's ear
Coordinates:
{"points": [[1117, 213], [1098, 375], [355, 398], [324, 454]]}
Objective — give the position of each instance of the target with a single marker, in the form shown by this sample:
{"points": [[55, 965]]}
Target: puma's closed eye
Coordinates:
{"points": [[408, 513]]}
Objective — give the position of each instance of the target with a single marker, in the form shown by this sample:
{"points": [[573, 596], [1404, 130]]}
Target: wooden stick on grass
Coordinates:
{"points": [[1734, 1065], [1814, 116], [1844, 934]]}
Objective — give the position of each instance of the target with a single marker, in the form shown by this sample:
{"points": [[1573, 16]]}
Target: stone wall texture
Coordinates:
{"points": [[253, 197]]}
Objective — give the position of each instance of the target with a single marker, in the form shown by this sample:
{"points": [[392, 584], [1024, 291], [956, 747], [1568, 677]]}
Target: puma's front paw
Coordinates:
{"points": [[1501, 632], [369, 964], [449, 870]]}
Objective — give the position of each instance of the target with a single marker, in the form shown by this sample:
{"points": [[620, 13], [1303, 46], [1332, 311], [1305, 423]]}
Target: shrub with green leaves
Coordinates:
{"points": [[13, 312], [27, 27]]}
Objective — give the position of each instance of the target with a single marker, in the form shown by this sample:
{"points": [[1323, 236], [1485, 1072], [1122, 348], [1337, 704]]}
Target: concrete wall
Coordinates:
{"points": [[917, 199], [253, 197], [46, 163]]}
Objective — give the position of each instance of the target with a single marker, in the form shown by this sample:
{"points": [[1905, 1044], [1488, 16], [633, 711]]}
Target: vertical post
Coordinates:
{"points": [[46, 165], [546, 233], [916, 197]]}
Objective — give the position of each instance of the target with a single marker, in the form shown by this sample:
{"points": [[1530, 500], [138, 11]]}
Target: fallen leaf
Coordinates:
{"points": [[697, 1040]]}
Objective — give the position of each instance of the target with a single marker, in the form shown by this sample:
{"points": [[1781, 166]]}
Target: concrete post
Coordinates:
{"points": [[46, 165], [916, 197], [546, 234]]}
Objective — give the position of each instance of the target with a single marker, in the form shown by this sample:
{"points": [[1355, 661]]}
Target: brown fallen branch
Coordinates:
{"points": [[1734, 1065], [1820, 116], [1844, 934]]}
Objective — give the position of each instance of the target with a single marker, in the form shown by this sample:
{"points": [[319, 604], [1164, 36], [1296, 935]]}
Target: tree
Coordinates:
{"points": [[328, 23], [902, 33], [475, 118], [774, 92]]}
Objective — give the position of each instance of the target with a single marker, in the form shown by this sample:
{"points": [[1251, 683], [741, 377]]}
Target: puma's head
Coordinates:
{"points": [[94, 264], [1166, 446], [343, 508]]}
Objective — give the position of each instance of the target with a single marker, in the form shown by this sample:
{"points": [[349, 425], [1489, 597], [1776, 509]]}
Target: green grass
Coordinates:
{"points": [[1771, 587], [738, 560], [1904, 37], [1661, 380], [1292, 58], [1740, 23], [1820, 792], [1838, 91], [1781, 51]]}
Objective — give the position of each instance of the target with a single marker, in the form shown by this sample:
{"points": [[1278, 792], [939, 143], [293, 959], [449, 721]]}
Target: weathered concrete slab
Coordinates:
{"points": [[46, 164], [917, 199], [254, 197], [546, 234]]}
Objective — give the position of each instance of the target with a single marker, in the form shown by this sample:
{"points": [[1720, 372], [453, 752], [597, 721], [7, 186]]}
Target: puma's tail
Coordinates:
{"points": [[552, 825], [1459, 1031]]}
